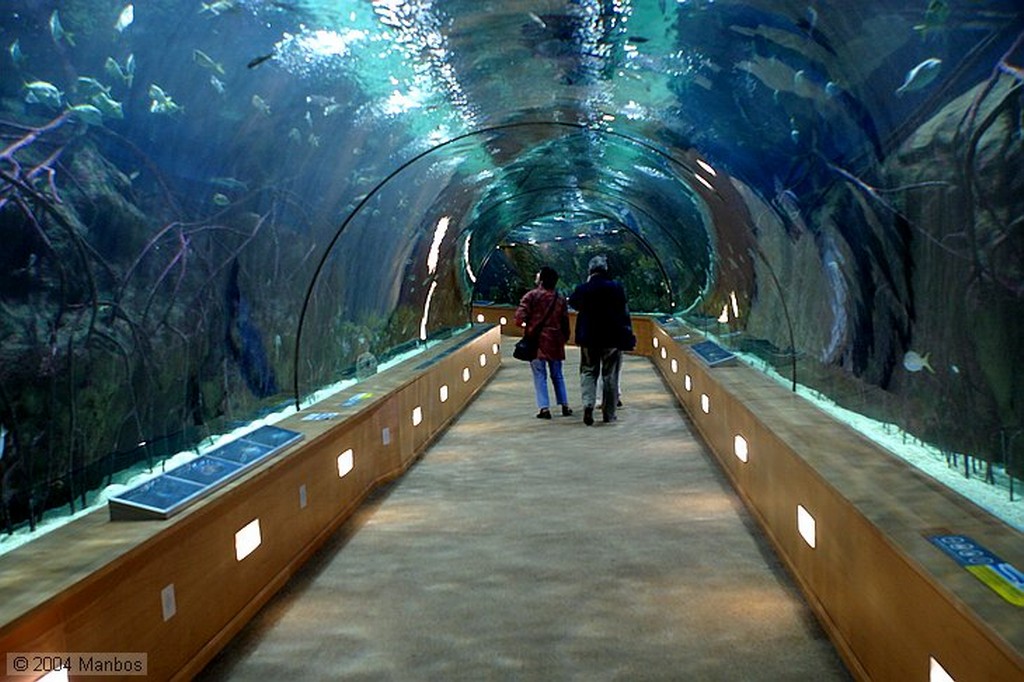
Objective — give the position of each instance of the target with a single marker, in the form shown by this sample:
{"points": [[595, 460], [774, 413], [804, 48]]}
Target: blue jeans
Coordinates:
{"points": [[540, 382]]}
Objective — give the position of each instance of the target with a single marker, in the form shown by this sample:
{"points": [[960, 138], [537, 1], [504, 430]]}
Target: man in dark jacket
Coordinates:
{"points": [[603, 331]]}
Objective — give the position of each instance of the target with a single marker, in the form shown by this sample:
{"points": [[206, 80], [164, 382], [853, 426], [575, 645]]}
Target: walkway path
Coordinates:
{"points": [[523, 549]]}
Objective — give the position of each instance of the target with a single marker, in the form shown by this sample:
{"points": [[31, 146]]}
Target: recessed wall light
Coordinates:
{"points": [[247, 539], [807, 526], [495, 348], [417, 415], [656, 342], [480, 317], [303, 498], [168, 603], [936, 673], [664, 352], [503, 320], [385, 435], [442, 393], [465, 374], [675, 366], [739, 448], [688, 383], [705, 403], [483, 359], [345, 463]]}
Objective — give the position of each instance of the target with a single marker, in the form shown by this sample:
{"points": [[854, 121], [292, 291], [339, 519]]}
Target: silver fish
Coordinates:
{"points": [[87, 87], [915, 362], [16, 56], [108, 106], [217, 84], [217, 8], [58, 32], [161, 102], [125, 18], [206, 61], [261, 105], [87, 113], [47, 94], [920, 76]]}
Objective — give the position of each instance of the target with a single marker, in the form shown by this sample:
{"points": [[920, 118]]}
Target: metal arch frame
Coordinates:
{"points": [[599, 214], [668, 234], [582, 127]]}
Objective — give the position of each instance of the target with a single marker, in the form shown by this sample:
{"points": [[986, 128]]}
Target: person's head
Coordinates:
{"points": [[547, 277], [598, 265]]}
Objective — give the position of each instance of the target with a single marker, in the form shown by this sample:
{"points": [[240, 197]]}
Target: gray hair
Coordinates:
{"points": [[598, 264]]}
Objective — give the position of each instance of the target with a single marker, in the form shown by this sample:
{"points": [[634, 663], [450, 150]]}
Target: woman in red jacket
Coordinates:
{"points": [[545, 314]]}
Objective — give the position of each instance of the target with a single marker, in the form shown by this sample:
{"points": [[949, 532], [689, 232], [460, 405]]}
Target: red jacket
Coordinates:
{"points": [[555, 332]]}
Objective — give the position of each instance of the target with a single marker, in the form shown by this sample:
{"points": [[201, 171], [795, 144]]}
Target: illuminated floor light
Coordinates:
{"points": [[495, 348], [503, 320], [303, 497], [936, 673], [688, 383], [168, 603], [465, 374], [480, 317], [739, 447], [345, 463], [385, 436], [247, 539], [664, 352], [417, 416], [656, 342], [442, 393], [806, 525], [483, 360], [675, 366], [705, 403]]}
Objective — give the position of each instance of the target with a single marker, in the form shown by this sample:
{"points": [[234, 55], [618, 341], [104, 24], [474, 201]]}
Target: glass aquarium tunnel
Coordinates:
{"points": [[210, 210]]}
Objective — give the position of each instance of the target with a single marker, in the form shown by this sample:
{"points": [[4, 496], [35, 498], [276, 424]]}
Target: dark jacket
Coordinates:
{"points": [[555, 331], [603, 320]]}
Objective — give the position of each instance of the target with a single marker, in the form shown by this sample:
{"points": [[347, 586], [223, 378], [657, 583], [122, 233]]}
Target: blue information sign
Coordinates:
{"points": [[1005, 579]]}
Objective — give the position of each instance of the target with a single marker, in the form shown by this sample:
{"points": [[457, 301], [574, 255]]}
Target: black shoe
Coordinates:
{"points": [[545, 413], [566, 411], [588, 416]]}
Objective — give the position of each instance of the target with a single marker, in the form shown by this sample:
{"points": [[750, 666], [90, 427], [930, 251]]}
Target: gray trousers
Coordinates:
{"points": [[603, 363]]}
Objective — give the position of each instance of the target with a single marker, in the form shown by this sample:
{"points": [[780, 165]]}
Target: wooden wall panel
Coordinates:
{"points": [[887, 598], [95, 585]]}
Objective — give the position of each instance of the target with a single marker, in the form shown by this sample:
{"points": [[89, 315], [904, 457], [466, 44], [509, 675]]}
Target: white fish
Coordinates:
{"points": [[125, 18], [16, 56], [920, 76], [58, 32], [108, 106], [217, 84], [217, 8], [87, 87], [161, 102], [41, 92], [206, 61], [915, 362], [261, 105], [87, 113]]}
